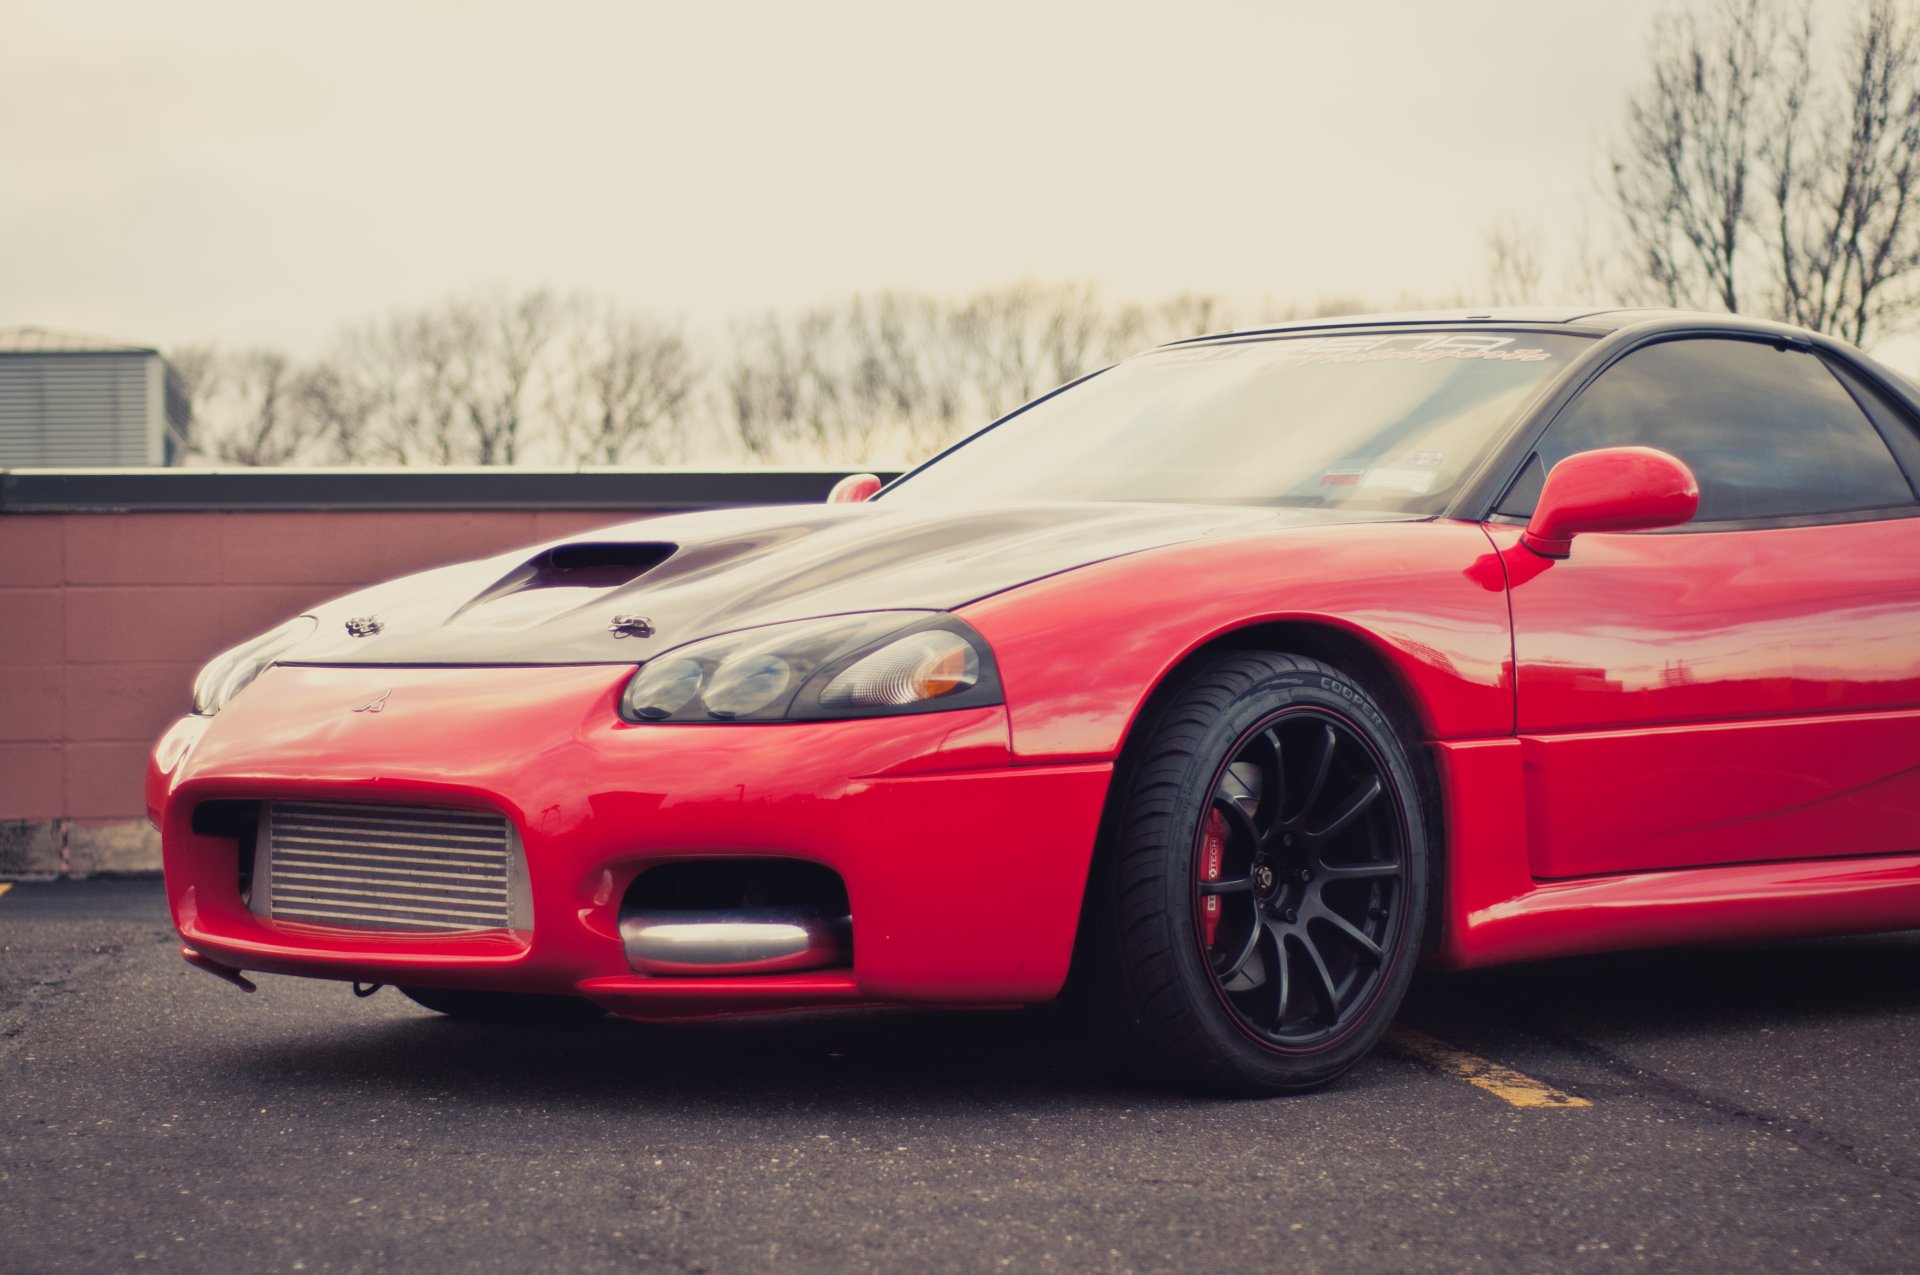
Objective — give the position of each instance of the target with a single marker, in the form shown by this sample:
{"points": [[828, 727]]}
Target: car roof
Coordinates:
{"points": [[1593, 320]]}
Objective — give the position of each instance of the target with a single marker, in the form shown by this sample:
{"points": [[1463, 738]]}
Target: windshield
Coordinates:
{"points": [[1374, 421]]}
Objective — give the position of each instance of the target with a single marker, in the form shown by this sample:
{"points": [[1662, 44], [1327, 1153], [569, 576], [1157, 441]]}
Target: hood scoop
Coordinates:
{"points": [[560, 579]]}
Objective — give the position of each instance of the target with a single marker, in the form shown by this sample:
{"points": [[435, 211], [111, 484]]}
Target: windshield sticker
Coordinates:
{"points": [[1391, 347], [1417, 481], [1428, 460]]}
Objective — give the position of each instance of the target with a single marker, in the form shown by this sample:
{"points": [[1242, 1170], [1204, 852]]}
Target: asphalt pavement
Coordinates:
{"points": [[1745, 1109]]}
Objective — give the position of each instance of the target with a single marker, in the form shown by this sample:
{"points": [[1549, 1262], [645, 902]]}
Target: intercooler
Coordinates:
{"points": [[416, 869]]}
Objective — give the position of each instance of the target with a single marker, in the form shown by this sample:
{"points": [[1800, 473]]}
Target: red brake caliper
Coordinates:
{"points": [[1213, 848]]}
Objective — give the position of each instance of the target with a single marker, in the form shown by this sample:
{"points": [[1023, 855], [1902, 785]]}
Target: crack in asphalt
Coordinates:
{"points": [[1799, 1132]]}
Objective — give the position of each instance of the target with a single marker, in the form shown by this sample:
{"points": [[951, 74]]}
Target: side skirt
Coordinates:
{"points": [[1496, 911]]}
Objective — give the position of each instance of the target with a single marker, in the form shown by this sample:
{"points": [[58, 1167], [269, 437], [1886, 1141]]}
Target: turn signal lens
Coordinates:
{"points": [[918, 667]]}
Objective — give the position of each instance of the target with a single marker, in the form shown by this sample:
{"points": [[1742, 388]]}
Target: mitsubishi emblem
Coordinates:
{"points": [[376, 704]]}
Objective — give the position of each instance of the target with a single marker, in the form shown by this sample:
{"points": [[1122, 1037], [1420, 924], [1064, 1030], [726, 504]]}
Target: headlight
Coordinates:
{"points": [[229, 673], [872, 665]]}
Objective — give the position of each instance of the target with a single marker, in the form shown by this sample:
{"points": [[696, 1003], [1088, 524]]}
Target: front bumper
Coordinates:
{"points": [[964, 872]]}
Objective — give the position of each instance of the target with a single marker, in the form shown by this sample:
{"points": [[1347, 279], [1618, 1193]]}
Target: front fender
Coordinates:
{"points": [[1079, 653]]}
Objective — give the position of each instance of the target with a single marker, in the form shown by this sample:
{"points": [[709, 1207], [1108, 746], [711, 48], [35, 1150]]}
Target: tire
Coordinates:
{"points": [[1265, 888], [504, 1007]]}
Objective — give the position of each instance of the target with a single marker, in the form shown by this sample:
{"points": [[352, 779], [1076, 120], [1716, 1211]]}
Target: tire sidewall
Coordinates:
{"points": [[1173, 836]]}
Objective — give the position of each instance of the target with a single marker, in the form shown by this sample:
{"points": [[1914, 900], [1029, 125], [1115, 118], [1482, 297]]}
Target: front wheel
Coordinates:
{"points": [[1263, 910]]}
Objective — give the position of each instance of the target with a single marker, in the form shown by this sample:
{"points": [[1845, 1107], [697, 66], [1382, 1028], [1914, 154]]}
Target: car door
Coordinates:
{"points": [[1744, 688]]}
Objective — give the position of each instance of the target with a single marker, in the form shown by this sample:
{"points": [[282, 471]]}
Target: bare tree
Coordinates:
{"points": [[1683, 179], [338, 408], [838, 382], [1187, 314], [869, 381], [250, 408], [772, 389], [1023, 340], [193, 366], [898, 375], [1750, 179], [623, 382], [498, 346], [1846, 175], [453, 385], [401, 370], [1513, 266]]}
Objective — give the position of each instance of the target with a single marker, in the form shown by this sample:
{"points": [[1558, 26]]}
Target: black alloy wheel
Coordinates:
{"points": [[1299, 872], [1261, 909]]}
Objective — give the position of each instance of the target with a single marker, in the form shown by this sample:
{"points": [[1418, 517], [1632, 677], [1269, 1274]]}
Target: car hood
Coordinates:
{"points": [[690, 576]]}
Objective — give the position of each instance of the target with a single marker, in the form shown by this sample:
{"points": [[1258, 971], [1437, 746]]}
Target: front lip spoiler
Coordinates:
{"points": [[762, 940], [200, 961]]}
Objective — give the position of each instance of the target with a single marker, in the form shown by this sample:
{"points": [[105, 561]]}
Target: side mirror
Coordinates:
{"points": [[853, 489], [1613, 489]]}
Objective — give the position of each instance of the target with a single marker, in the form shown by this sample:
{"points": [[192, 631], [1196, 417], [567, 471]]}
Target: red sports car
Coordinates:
{"points": [[1227, 684]]}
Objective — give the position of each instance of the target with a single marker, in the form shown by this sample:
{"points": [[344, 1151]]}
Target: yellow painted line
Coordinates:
{"points": [[1503, 1083]]}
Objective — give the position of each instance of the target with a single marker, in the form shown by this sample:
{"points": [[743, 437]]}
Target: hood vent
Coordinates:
{"points": [[579, 572], [584, 566]]}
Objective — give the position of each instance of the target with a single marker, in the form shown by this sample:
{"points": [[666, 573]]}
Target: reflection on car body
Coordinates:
{"points": [[1231, 682]]}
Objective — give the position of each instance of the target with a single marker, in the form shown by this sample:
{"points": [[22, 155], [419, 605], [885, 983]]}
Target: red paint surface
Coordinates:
{"points": [[1080, 655], [853, 489], [1714, 733], [1720, 696], [965, 873], [1612, 489], [1497, 911], [1799, 788]]}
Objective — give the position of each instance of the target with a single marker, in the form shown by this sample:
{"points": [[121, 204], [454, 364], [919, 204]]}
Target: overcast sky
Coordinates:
{"points": [[268, 173]]}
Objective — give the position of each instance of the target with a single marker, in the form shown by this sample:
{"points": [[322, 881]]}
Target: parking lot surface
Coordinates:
{"points": [[1744, 1109]]}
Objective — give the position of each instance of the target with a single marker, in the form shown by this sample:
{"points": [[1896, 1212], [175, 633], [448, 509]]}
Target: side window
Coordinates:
{"points": [[1893, 421], [1770, 433]]}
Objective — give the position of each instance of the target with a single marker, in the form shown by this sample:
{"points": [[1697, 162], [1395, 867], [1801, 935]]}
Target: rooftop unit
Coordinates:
{"points": [[68, 400]]}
